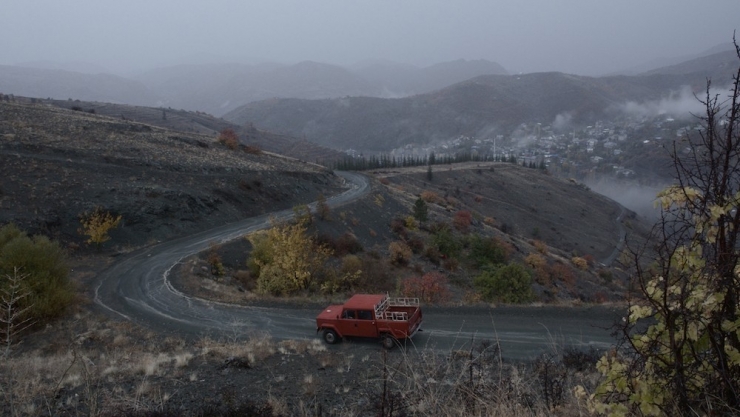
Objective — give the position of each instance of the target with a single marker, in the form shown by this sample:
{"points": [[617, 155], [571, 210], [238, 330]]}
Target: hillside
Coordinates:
{"points": [[202, 123], [536, 216], [57, 164], [481, 106]]}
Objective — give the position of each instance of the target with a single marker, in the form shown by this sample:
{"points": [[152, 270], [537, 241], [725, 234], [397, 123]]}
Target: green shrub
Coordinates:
{"points": [[44, 264], [445, 242], [509, 284], [488, 251]]}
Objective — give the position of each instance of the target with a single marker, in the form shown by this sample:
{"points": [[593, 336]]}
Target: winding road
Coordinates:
{"points": [[137, 288]]}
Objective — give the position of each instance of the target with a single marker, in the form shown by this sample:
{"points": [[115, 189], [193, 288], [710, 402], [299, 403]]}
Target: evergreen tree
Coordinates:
{"points": [[421, 211]]}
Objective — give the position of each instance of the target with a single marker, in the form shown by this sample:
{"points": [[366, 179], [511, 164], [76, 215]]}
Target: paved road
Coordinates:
{"points": [[137, 288]]}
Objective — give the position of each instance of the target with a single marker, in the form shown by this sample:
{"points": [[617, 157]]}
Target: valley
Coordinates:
{"points": [[199, 242]]}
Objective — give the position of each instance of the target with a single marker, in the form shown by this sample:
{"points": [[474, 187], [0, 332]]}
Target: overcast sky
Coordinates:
{"points": [[589, 37]]}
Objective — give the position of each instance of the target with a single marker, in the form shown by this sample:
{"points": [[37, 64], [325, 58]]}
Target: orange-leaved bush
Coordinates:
{"points": [[432, 287]]}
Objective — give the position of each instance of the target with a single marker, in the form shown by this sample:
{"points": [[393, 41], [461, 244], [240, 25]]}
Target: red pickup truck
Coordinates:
{"points": [[371, 315]]}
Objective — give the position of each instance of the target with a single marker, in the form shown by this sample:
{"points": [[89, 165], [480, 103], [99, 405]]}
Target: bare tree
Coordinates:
{"points": [[13, 321], [680, 343]]}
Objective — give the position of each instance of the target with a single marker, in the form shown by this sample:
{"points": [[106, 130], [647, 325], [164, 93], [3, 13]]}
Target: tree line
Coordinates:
{"points": [[350, 163]]}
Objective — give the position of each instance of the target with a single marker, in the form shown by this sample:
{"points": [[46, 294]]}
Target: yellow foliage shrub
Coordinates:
{"points": [[97, 224], [580, 263]]}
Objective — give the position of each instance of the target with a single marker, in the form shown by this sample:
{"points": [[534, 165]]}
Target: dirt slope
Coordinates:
{"points": [[57, 163]]}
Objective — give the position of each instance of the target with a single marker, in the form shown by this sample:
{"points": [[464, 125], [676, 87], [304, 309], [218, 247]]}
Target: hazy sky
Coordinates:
{"points": [[576, 36]]}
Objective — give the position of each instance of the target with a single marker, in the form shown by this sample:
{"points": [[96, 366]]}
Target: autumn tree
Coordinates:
{"points": [[97, 224], [400, 253], [432, 287], [462, 220], [229, 138], [679, 350], [285, 259]]}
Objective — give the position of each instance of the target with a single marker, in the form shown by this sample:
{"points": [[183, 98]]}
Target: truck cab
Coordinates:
{"points": [[371, 316]]}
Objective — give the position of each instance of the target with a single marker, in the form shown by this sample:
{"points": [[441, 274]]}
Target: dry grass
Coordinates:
{"points": [[255, 349], [110, 367]]}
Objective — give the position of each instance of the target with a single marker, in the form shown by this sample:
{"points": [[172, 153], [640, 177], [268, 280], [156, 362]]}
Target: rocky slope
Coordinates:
{"points": [[202, 123], [58, 163]]}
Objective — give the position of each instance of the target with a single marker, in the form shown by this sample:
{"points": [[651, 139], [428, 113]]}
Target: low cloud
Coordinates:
{"points": [[638, 198], [680, 104], [562, 121]]}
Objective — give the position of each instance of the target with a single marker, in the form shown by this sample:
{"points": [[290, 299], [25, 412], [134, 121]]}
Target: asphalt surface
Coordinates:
{"points": [[136, 288]]}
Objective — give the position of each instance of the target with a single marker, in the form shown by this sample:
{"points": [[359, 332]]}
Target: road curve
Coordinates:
{"points": [[137, 288]]}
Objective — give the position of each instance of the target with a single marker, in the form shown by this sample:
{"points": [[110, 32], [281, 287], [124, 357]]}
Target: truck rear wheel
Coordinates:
{"points": [[389, 342], [330, 336]]}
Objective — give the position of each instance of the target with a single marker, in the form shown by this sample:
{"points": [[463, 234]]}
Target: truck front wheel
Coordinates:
{"points": [[330, 336], [389, 342]]}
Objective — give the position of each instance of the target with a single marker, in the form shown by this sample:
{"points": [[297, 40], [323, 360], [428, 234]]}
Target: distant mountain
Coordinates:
{"points": [[484, 104], [60, 84], [398, 80], [479, 106], [217, 89], [75, 66], [716, 66], [658, 63]]}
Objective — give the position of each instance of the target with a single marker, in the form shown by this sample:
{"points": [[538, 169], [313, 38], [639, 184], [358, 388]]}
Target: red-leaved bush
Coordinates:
{"points": [[229, 138], [462, 220], [430, 288]]}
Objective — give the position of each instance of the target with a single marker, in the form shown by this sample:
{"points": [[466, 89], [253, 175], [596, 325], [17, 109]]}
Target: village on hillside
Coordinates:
{"points": [[608, 148]]}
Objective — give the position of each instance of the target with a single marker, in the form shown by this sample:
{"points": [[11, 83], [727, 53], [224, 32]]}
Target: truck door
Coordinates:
{"points": [[365, 323], [346, 323]]}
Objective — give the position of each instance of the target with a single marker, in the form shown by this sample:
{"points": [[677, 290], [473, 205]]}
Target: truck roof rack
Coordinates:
{"points": [[403, 302], [382, 313]]}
